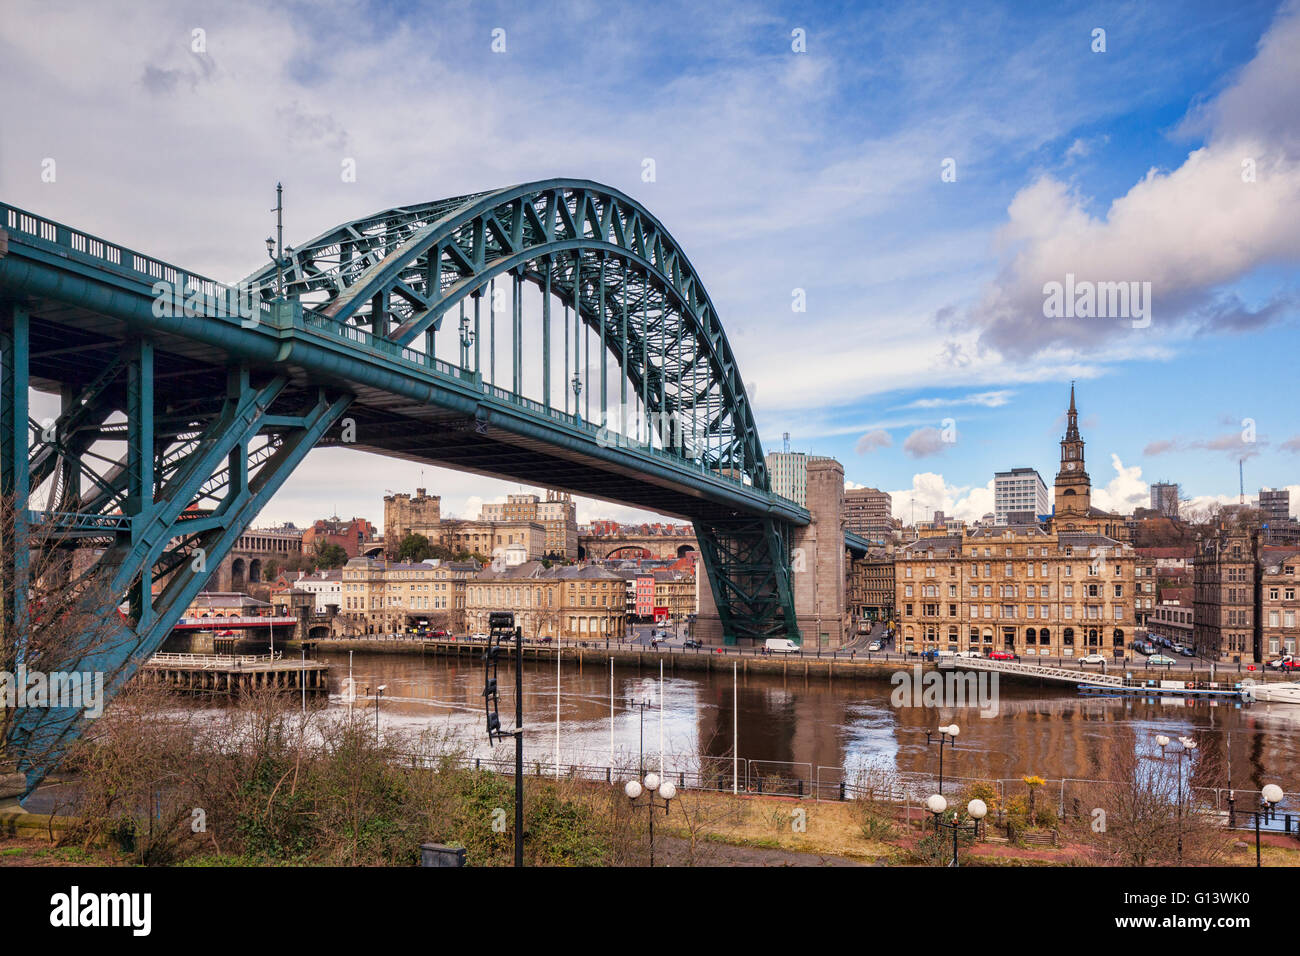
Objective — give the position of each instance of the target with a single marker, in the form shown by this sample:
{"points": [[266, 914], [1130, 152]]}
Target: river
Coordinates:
{"points": [[850, 723]]}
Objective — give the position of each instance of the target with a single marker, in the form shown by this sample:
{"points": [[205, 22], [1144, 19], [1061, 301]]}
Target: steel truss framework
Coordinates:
{"points": [[398, 274], [161, 466]]}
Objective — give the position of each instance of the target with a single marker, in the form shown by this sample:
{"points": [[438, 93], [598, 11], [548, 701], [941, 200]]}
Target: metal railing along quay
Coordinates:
{"points": [[215, 661], [1063, 668]]}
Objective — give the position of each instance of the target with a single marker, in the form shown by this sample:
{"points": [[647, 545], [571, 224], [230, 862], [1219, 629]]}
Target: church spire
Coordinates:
{"points": [[1073, 487], [1072, 419]]}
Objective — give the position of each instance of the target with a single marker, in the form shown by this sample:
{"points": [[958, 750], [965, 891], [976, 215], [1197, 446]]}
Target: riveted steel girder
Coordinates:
{"points": [[205, 411]]}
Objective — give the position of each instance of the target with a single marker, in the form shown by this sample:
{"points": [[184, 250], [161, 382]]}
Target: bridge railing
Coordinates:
{"points": [[123, 260], [1031, 670], [426, 362], [149, 270], [219, 622]]}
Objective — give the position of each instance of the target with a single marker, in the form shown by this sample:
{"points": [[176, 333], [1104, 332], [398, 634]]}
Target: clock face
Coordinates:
{"points": [[1069, 466]]}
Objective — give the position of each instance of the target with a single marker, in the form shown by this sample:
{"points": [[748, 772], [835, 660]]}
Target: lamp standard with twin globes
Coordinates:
{"points": [[378, 698], [1270, 797], [665, 790], [1188, 746], [977, 810], [948, 733]]}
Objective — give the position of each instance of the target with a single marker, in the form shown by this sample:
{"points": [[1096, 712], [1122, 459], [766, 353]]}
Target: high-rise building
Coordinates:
{"points": [[1276, 505], [1164, 499], [867, 511], [789, 473], [1018, 490]]}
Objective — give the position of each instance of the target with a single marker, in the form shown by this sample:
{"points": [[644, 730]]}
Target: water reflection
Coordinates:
{"points": [[1054, 733]]}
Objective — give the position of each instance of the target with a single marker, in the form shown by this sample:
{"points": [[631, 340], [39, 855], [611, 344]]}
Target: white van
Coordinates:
{"points": [[781, 645]]}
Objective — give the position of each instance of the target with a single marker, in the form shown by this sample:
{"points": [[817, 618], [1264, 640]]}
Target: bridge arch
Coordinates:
{"points": [[361, 328], [397, 274]]}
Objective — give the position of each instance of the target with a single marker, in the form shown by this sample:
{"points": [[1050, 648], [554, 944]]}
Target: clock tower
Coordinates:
{"points": [[1073, 487]]}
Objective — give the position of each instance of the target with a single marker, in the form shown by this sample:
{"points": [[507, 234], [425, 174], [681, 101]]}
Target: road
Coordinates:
{"points": [[856, 650]]}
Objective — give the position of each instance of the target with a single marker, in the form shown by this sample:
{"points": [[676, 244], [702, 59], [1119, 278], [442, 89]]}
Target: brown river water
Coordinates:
{"points": [[1054, 733]]}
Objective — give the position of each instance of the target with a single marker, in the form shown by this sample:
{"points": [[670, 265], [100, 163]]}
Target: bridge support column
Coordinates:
{"points": [[15, 478], [166, 517], [747, 561], [818, 558]]}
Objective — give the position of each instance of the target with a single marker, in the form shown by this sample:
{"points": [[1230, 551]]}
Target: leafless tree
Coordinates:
{"points": [[57, 612], [1148, 813]]}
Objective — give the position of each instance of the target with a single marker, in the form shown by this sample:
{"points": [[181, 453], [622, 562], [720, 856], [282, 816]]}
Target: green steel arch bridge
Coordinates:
{"points": [[552, 333]]}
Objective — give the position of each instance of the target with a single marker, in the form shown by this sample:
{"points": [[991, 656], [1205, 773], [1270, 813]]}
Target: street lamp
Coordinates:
{"points": [[378, 698], [977, 810], [948, 733], [666, 792], [276, 250], [641, 704], [1270, 796], [1188, 746]]}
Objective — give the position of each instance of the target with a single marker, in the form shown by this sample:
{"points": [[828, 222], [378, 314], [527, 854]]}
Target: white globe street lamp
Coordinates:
{"points": [[949, 734], [977, 810], [1270, 796], [657, 794]]}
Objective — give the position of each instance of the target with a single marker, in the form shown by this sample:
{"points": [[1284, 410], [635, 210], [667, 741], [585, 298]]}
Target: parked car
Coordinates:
{"points": [[1093, 659], [781, 645], [1160, 659], [1280, 663], [930, 655], [873, 646], [692, 643], [1187, 652], [1001, 656], [970, 653], [479, 637], [947, 653]]}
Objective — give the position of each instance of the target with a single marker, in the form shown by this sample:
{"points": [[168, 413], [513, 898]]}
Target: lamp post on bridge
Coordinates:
{"points": [[466, 338], [275, 248], [577, 392]]}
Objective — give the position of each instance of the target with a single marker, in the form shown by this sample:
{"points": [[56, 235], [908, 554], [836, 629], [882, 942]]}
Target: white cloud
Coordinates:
{"points": [[924, 442], [993, 399], [877, 438], [1188, 231], [930, 493], [1126, 491]]}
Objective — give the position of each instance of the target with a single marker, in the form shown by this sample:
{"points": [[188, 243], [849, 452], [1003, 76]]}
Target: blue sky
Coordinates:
{"points": [[776, 170]]}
